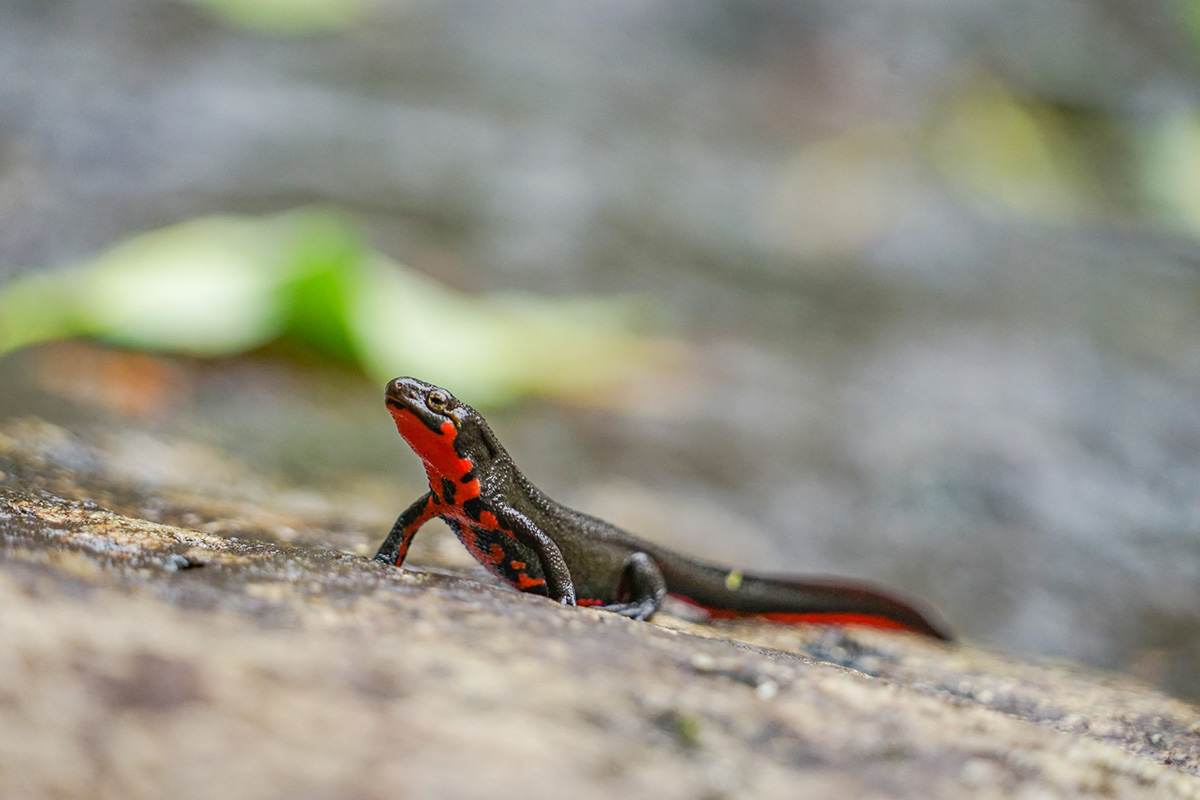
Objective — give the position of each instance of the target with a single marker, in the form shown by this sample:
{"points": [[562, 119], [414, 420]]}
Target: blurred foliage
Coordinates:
{"points": [[1188, 14], [1014, 152], [288, 16], [222, 286], [1170, 171], [1039, 161]]}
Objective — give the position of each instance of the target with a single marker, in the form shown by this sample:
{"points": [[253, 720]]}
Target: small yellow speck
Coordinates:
{"points": [[733, 581]]}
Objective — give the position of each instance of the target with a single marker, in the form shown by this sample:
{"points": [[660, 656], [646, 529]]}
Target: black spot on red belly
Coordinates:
{"points": [[473, 508], [447, 491]]}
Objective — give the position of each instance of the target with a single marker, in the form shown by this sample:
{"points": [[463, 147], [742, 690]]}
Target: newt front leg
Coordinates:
{"points": [[554, 566], [395, 546]]}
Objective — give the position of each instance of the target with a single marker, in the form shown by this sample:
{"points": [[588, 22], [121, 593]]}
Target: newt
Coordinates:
{"points": [[542, 547]]}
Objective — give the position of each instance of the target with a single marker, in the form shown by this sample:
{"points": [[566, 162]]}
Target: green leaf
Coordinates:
{"points": [[288, 16], [494, 348], [326, 259], [209, 287], [222, 286]]}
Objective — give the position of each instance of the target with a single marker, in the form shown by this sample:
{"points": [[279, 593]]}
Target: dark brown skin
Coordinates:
{"points": [[540, 546]]}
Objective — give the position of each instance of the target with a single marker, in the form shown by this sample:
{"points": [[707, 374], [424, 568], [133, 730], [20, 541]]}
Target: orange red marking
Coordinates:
{"points": [[526, 582], [436, 448], [797, 618]]}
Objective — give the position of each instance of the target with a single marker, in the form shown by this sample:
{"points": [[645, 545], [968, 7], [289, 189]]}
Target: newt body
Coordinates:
{"points": [[540, 546]]}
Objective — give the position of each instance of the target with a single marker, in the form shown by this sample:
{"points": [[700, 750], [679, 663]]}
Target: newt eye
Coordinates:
{"points": [[437, 400]]}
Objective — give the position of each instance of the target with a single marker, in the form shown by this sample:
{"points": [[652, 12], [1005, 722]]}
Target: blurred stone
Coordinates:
{"points": [[985, 406], [147, 660]]}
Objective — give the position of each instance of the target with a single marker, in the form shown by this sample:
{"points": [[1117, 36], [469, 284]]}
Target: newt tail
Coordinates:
{"points": [[542, 547]]}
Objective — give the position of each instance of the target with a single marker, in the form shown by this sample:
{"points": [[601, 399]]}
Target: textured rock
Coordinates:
{"points": [[141, 659]]}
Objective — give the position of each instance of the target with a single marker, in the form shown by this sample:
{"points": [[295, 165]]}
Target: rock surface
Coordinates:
{"points": [[144, 659], [981, 373]]}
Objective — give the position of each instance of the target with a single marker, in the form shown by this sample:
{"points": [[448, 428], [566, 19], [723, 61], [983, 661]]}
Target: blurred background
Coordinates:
{"points": [[901, 289]]}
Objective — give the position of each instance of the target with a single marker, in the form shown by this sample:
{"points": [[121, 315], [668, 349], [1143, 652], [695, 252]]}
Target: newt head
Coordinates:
{"points": [[449, 436]]}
